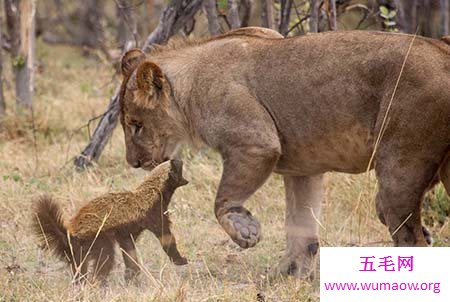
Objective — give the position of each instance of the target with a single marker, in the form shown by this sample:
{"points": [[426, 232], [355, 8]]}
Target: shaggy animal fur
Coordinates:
{"points": [[89, 237]]}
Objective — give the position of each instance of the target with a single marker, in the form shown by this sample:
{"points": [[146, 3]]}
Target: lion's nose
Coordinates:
{"points": [[136, 164]]}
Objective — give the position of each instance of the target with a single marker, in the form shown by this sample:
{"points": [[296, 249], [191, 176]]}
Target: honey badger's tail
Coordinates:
{"points": [[48, 225]]}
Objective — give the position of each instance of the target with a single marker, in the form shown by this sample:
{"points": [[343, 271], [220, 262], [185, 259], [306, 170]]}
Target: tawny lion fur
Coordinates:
{"points": [[299, 107], [116, 217]]}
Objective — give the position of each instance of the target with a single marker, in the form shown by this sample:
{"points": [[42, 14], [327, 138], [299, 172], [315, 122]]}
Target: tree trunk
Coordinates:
{"points": [[20, 16], [286, 6], [444, 5], [314, 16], [267, 16], [408, 17], [425, 24], [2, 97], [333, 17], [233, 14], [90, 14], [173, 18], [127, 35], [246, 7], [211, 14]]}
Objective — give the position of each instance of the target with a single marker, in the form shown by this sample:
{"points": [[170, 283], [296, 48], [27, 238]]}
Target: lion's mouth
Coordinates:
{"points": [[149, 165]]}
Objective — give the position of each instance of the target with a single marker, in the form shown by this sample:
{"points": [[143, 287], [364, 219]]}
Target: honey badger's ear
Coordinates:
{"points": [[130, 60]]}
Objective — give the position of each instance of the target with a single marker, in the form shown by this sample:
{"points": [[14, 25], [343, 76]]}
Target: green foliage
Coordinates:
{"points": [[18, 61], [437, 207], [13, 177], [388, 17], [222, 4]]}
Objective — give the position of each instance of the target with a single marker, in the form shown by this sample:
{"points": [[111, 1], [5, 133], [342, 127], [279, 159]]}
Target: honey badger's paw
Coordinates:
{"points": [[242, 227], [180, 261]]}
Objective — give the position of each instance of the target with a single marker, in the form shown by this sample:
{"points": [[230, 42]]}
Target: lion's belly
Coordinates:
{"points": [[349, 151]]}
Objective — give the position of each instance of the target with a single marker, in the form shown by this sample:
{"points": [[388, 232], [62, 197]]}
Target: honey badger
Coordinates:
{"points": [[88, 238]]}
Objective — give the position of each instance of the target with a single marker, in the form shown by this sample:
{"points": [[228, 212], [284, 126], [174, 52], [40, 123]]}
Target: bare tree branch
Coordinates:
{"points": [[102, 134], [233, 14], [173, 18], [211, 14]]}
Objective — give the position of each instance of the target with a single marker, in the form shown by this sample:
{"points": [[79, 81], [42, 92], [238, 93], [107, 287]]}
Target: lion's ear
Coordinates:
{"points": [[130, 60], [150, 82]]}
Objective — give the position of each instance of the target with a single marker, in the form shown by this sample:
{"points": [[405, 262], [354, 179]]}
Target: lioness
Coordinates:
{"points": [[299, 107]]}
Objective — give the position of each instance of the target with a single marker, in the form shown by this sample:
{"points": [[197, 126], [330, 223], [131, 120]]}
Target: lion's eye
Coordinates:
{"points": [[136, 128]]}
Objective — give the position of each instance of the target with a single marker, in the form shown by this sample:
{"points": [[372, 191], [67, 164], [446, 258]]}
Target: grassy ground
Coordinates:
{"points": [[35, 157]]}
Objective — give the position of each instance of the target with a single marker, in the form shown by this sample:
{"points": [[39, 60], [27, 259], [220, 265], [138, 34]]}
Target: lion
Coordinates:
{"points": [[346, 101], [87, 239]]}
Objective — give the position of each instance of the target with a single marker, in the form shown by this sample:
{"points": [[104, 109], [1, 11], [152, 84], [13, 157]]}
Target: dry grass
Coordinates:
{"points": [[36, 159]]}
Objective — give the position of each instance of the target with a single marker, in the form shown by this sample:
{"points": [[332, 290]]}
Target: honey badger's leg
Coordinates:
{"points": [[244, 171], [102, 255], [167, 240], [78, 263], [129, 254], [304, 196]]}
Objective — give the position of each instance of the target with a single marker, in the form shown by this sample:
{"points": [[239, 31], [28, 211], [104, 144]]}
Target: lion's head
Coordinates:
{"points": [[152, 134]]}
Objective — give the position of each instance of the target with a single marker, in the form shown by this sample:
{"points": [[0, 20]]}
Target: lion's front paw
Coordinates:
{"points": [[241, 226]]}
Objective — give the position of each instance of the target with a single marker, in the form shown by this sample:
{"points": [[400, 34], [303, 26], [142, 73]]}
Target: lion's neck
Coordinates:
{"points": [[178, 69]]}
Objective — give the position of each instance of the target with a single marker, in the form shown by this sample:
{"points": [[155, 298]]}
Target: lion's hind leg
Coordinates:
{"points": [[444, 174], [402, 184]]}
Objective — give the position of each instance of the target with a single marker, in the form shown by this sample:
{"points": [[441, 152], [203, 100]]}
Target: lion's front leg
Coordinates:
{"points": [[244, 171], [304, 196]]}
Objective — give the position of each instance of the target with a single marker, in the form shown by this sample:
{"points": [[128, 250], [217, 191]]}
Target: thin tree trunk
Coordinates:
{"points": [[333, 17], [21, 27], [286, 6], [444, 5], [246, 6], [409, 18], [2, 97], [267, 16], [233, 14], [314, 16], [173, 18], [127, 36], [211, 14], [90, 14]]}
